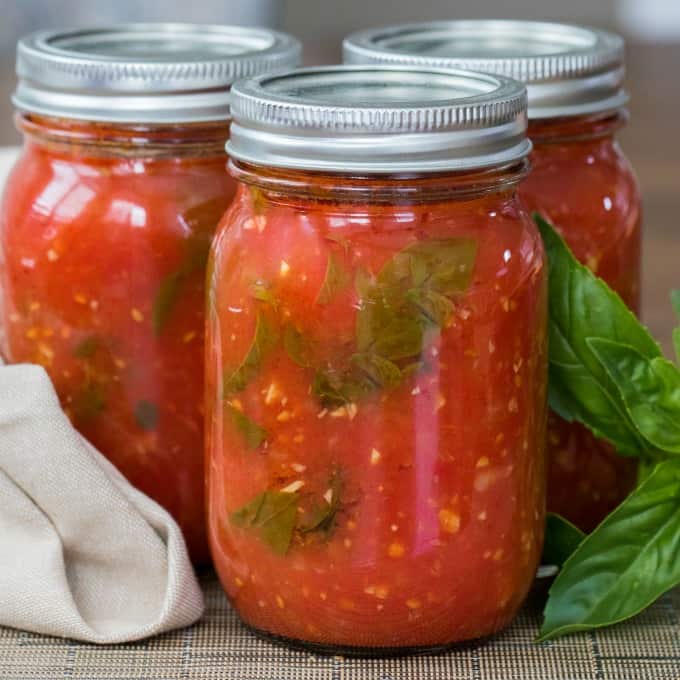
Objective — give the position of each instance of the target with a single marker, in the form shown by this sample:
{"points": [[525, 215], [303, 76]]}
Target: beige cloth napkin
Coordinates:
{"points": [[82, 553]]}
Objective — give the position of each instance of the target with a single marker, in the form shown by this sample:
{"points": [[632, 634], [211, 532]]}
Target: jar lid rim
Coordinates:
{"points": [[568, 69], [144, 72], [378, 119]]}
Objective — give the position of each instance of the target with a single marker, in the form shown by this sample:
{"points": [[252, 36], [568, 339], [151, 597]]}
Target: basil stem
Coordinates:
{"points": [[146, 414]]}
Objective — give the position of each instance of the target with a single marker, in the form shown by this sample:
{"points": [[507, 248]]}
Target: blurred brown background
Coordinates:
{"points": [[652, 28]]}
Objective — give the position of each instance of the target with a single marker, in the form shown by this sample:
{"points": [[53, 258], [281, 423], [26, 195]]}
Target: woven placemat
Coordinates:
{"points": [[219, 647]]}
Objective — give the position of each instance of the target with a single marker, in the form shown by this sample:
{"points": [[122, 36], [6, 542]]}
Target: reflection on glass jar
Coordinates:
{"points": [[376, 366]]}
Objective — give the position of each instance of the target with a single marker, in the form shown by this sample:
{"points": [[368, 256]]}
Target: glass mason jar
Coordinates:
{"points": [[580, 181], [105, 227], [376, 360]]}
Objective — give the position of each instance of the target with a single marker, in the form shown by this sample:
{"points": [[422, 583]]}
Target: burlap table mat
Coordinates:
{"points": [[219, 647]]}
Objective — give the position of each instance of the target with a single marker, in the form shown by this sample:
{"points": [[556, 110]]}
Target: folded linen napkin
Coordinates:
{"points": [[82, 553]]}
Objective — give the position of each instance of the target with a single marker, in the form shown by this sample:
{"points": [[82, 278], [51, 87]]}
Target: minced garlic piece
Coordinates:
{"points": [[395, 550], [449, 521], [483, 480], [375, 456], [284, 268], [272, 394], [293, 486], [381, 592]]}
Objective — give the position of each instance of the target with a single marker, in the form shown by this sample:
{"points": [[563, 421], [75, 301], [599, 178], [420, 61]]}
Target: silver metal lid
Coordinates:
{"points": [[378, 119], [568, 70], [144, 73]]}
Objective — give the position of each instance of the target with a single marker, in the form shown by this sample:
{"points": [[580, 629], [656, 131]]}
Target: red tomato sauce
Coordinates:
{"points": [[104, 234], [395, 499], [583, 184]]}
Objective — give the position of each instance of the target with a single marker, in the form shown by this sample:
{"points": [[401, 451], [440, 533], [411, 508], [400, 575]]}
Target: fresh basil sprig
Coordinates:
{"points": [[582, 307], [608, 373]]}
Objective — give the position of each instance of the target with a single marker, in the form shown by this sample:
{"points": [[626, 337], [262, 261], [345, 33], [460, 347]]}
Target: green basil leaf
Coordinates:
{"points": [[333, 389], [650, 389], [279, 512], [202, 220], [381, 372], [583, 306], [433, 308], [146, 414], [630, 559], [87, 348], [336, 279], [273, 514], [410, 292], [255, 435], [262, 291], [561, 540], [170, 289], [363, 283], [246, 515], [322, 515], [165, 300], [400, 338], [297, 346], [675, 301], [444, 265], [89, 403], [266, 337]]}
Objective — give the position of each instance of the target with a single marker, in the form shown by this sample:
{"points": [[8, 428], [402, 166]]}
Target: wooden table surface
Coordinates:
{"points": [[651, 141]]}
